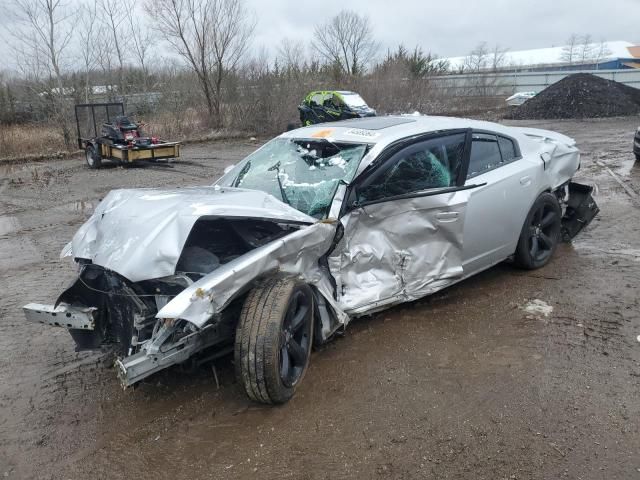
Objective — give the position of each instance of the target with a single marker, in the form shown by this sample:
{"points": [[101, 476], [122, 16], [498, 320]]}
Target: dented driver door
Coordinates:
{"points": [[403, 225]]}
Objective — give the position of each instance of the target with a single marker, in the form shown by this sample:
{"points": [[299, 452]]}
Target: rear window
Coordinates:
{"points": [[508, 149], [485, 154]]}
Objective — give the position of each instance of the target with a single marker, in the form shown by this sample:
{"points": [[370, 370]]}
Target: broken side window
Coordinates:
{"points": [[423, 166]]}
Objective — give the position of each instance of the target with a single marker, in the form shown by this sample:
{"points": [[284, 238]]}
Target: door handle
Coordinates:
{"points": [[525, 181], [447, 216]]}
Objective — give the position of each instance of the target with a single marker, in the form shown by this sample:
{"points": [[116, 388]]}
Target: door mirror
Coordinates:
{"points": [[228, 168]]}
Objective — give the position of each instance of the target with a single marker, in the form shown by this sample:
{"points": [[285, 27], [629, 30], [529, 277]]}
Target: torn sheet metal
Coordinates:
{"points": [[399, 251], [63, 315], [140, 233], [559, 153], [296, 254]]}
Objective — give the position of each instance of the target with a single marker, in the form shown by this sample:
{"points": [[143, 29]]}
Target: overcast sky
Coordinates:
{"points": [[454, 27], [446, 27]]}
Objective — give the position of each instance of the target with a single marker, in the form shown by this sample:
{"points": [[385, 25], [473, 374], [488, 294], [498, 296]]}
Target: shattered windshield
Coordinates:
{"points": [[354, 100], [302, 173]]}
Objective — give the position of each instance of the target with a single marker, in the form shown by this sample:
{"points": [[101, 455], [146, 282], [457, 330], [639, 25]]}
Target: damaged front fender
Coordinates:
{"points": [[296, 254]]}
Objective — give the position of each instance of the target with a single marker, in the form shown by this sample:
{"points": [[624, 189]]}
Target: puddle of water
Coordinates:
{"points": [[625, 166], [621, 250], [9, 225]]}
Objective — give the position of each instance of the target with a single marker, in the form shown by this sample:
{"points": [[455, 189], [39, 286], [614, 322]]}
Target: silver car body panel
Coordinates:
{"points": [[360, 259], [140, 233], [296, 254], [391, 252], [399, 251]]}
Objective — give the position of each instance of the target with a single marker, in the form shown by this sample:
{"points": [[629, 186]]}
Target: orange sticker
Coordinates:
{"points": [[323, 133]]}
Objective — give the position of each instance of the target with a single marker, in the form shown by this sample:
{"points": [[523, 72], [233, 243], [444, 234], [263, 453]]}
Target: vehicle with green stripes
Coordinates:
{"points": [[332, 105]]}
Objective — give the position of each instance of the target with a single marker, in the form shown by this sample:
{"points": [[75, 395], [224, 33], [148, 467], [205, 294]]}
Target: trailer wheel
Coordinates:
{"points": [[273, 340], [93, 158]]}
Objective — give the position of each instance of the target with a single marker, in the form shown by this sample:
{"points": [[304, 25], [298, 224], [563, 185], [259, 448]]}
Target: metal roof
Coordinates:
{"points": [[599, 52]]}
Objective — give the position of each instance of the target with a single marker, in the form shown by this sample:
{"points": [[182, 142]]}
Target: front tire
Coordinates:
{"points": [[273, 340], [92, 157], [540, 233]]}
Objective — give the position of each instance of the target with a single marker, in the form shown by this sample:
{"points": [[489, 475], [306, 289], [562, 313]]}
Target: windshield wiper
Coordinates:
{"points": [[276, 167], [242, 173]]}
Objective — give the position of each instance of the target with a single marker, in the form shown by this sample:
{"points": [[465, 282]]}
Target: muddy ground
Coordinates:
{"points": [[464, 384]]}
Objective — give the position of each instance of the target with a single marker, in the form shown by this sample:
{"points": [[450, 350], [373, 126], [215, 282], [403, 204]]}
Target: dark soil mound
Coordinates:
{"points": [[581, 95]]}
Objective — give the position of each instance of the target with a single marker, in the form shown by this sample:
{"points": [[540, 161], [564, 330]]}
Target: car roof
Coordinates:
{"points": [[390, 128], [341, 92]]}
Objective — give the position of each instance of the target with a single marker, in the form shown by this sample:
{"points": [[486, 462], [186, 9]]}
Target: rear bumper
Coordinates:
{"points": [[581, 210], [66, 316]]}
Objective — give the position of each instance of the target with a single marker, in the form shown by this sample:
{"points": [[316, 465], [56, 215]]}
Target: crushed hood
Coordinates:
{"points": [[140, 233]]}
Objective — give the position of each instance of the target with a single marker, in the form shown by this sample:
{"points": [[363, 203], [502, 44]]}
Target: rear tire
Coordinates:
{"points": [[92, 157], [273, 340], [540, 233]]}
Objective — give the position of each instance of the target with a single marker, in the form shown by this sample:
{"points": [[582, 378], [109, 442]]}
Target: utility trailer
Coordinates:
{"points": [[106, 133]]}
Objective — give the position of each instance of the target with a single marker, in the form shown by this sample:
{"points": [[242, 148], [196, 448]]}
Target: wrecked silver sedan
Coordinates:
{"points": [[318, 226]]}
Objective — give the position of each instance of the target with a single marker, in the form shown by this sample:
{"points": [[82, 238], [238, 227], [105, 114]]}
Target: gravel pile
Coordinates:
{"points": [[581, 95]]}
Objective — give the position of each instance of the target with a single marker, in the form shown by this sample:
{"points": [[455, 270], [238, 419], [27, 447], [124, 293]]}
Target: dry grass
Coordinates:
{"points": [[26, 140], [176, 125], [265, 111], [187, 126]]}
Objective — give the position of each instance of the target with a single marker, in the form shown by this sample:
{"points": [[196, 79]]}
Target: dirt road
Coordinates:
{"points": [[481, 381]]}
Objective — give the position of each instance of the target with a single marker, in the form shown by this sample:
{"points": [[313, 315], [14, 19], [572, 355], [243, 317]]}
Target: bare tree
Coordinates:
{"points": [[498, 57], [346, 41], [41, 42], [291, 56], [478, 59], [88, 36], [570, 50], [484, 62], [210, 35], [601, 52], [586, 49], [113, 16], [142, 40], [105, 58]]}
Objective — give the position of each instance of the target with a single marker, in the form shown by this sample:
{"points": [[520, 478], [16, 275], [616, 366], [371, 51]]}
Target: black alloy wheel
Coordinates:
{"points": [[540, 233], [274, 338], [295, 339]]}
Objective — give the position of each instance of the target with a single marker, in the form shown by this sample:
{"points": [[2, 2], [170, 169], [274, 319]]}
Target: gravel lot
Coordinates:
{"points": [[473, 382]]}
